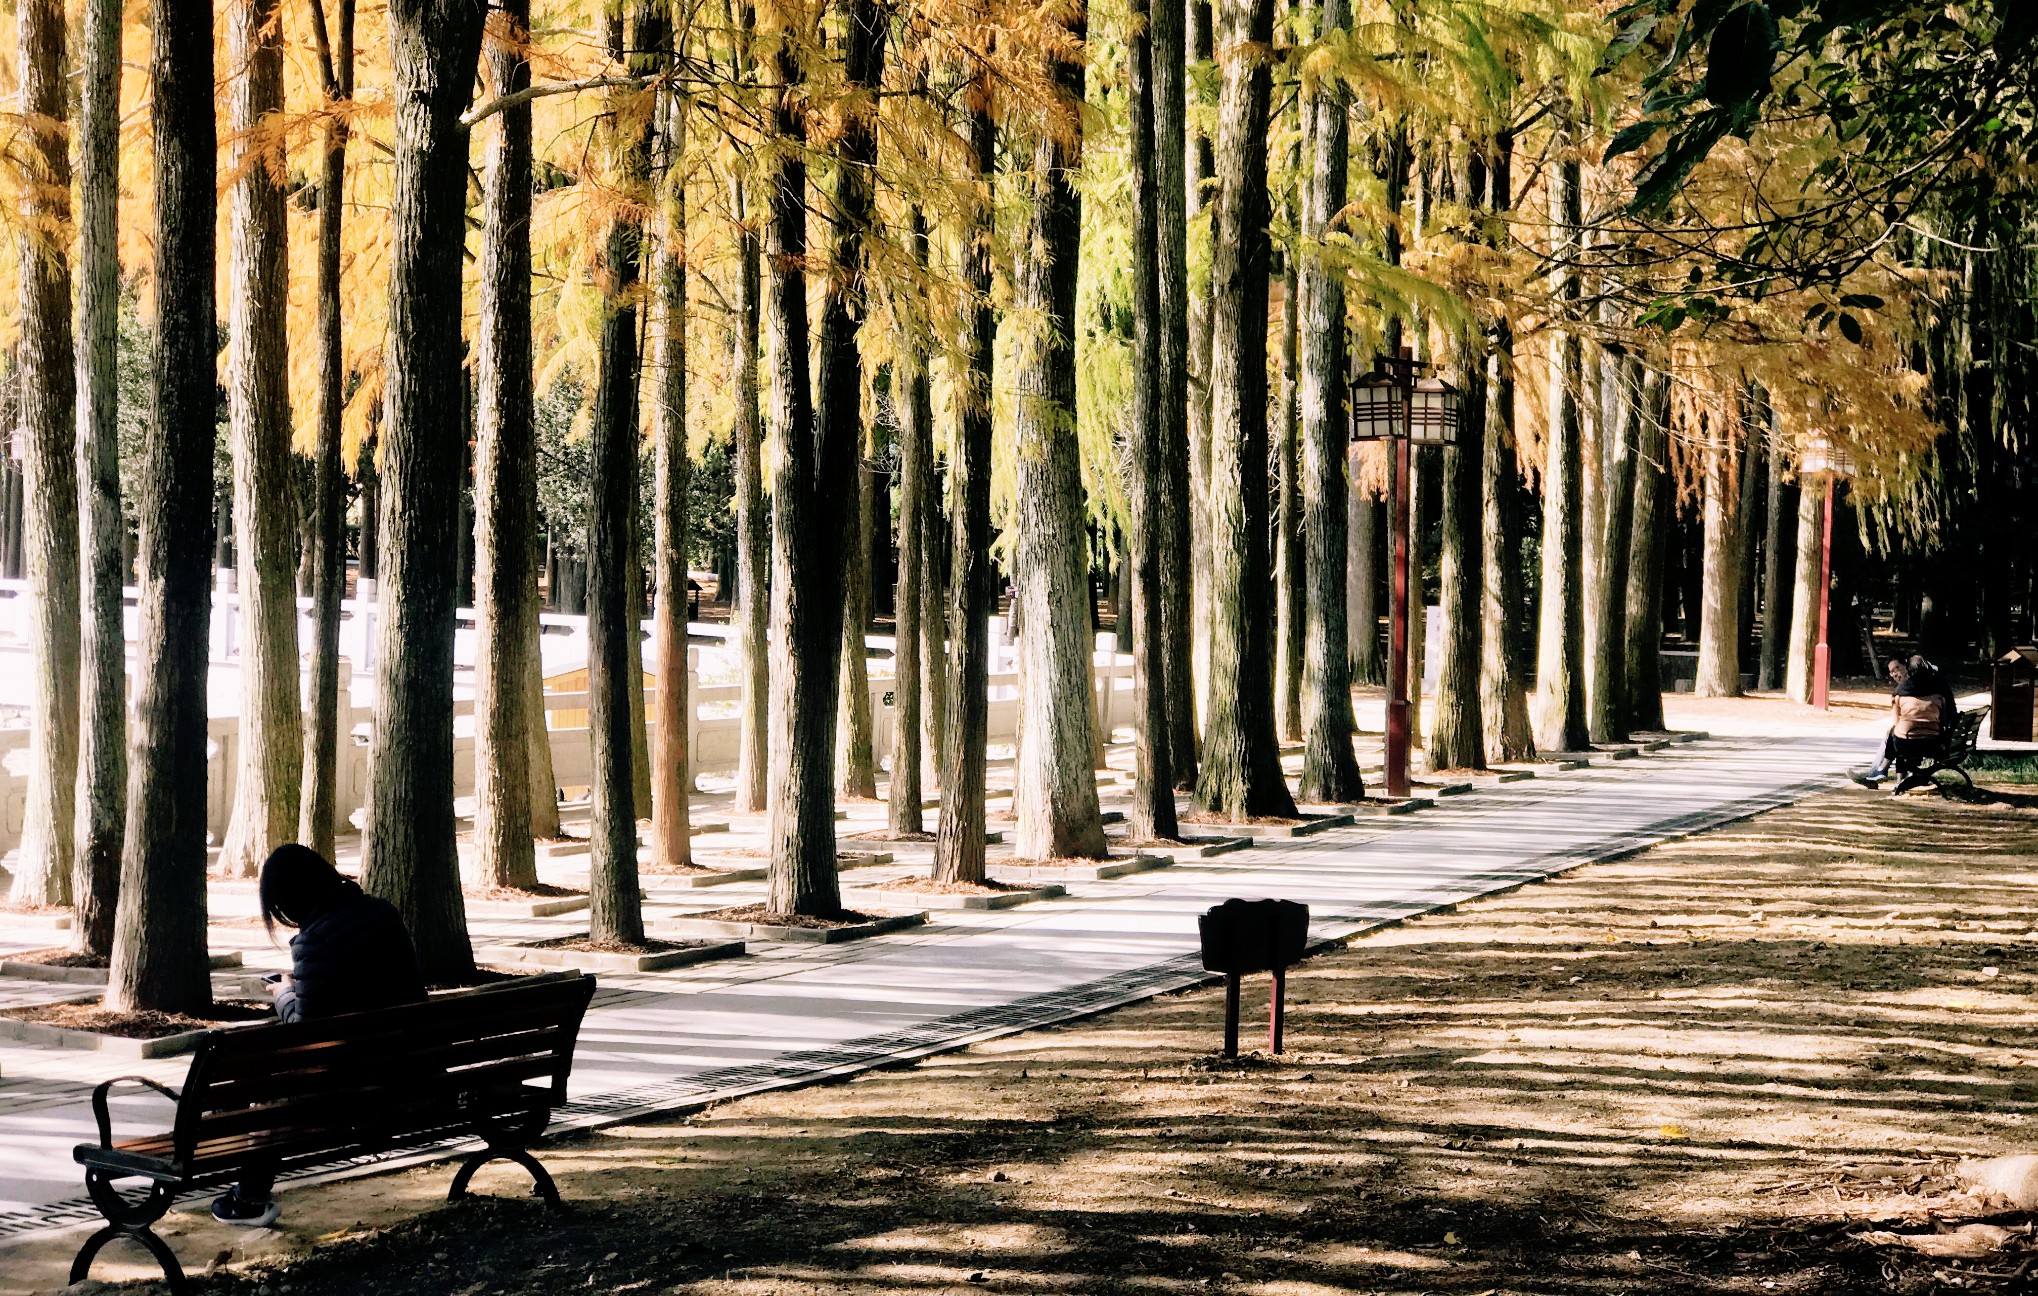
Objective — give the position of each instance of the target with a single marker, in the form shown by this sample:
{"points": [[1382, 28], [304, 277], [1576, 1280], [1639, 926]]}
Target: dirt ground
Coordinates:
{"points": [[1710, 1068]]}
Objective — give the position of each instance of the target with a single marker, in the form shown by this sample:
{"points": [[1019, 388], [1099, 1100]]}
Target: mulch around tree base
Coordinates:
{"points": [[758, 913], [58, 957], [989, 886], [676, 870], [583, 944], [886, 835], [89, 1016], [541, 891], [1260, 821]]}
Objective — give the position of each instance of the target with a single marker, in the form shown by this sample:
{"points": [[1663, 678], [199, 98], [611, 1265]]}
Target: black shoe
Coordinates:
{"points": [[1873, 778], [229, 1208]]}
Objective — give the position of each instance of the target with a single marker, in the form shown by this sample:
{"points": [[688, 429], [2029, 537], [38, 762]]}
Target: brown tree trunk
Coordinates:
{"points": [[1606, 640], [264, 470], [1055, 798], [49, 464], [857, 760], [505, 480], [1200, 169], [903, 816], [1719, 627], [102, 676], [159, 958], [959, 840], [1290, 595], [1330, 771], [1653, 510], [934, 549], [752, 606], [1241, 772], [671, 774], [1503, 657], [1560, 643], [326, 503], [1152, 813], [1457, 736], [1806, 596], [407, 854], [1172, 543], [1775, 562], [1362, 580]]}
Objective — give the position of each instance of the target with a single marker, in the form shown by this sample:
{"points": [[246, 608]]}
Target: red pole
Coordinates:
{"points": [[1397, 629], [1822, 655]]}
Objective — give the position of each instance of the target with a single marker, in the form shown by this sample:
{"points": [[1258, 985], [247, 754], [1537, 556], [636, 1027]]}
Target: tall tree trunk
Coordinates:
{"points": [[818, 442], [1167, 25], [159, 959], [326, 503], [1775, 562], [1653, 506], [959, 840], [1457, 739], [1055, 797], [1754, 423], [857, 760], [1719, 627], [50, 487], [614, 619], [1560, 643], [1291, 598], [902, 815], [1149, 530], [505, 480], [264, 470], [102, 675], [752, 607], [1503, 655], [1241, 773], [1606, 628], [1200, 169], [1330, 770], [1805, 595], [671, 775], [407, 850], [1362, 579]]}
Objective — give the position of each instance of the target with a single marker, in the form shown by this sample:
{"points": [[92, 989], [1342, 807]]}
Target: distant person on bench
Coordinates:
{"points": [[1921, 706], [350, 954]]}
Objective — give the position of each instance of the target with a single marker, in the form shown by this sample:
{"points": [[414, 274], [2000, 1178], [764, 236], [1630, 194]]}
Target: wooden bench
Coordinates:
{"points": [[1956, 748], [490, 1063]]}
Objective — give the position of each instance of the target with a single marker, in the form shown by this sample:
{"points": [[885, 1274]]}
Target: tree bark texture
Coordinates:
{"points": [[1362, 580], [408, 854], [671, 774], [1167, 23], [1560, 642], [1719, 625], [1330, 770], [1457, 738], [47, 422], [752, 608], [1241, 774], [159, 955], [1775, 562], [1805, 594], [505, 479], [1290, 595], [1200, 168], [271, 733], [1055, 797], [1646, 553], [857, 761], [325, 511], [102, 535], [1606, 628], [915, 405], [1503, 655], [1151, 815], [959, 838], [935, 550]]}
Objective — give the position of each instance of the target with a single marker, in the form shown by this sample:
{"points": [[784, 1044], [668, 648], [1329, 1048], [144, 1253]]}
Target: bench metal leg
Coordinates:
{"points": [[508, 1143], [129, 1220]]}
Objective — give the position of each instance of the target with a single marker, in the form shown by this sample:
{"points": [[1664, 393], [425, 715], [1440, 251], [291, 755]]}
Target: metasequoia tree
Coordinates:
{"points": [[1199, 188], [1153, 794], [1362, 577], [1653, 504], [1806, 598], [271, 732], [1166, 29], [407, 852], [1606, 627], [751, 607], [1330, 771], [505, 479], [1719, 623], [857, 759], [1240, 776], [49, 466], [1055, 801], [1290, 596], [671, 774], [1775, 562], [325, 506], [1560, 641], [959, 839], [102, 671], [159, 959], [915, 404], [1503, 671]]}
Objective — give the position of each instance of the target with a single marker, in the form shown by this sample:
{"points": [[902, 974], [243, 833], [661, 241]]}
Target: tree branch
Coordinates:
{"points": [[483, 112]]}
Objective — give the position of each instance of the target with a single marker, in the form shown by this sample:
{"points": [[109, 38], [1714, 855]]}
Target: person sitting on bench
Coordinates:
{"points": [[1919, 709], [350, 954]]}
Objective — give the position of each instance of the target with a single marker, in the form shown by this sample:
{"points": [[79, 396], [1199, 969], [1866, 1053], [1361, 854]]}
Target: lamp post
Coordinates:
{"points": [[1399, 402], [1822, 458]]}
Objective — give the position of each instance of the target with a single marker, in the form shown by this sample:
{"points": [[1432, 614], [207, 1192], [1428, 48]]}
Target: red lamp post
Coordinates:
{"points": [[1822, 458], [1401, 404]]}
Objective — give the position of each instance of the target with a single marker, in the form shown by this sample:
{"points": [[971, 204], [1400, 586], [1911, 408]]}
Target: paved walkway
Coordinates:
{"points": [[789, 1015]]}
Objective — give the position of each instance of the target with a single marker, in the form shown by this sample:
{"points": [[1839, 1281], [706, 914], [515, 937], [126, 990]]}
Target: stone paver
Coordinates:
{"points": [[791, 1014]]}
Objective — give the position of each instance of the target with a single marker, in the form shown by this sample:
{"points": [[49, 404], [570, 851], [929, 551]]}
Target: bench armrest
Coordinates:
{"points": [[99, 1112]]}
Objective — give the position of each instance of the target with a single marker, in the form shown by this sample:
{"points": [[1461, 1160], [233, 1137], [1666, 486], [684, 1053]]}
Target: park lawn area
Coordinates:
{"points": [[1710, 1067]]}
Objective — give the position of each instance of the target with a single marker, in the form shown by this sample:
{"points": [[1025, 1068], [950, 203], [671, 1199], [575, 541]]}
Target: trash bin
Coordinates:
{"points": [[2010, 704]]}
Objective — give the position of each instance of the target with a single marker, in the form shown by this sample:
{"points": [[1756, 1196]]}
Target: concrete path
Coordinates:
{"points": [[788, 1015]]}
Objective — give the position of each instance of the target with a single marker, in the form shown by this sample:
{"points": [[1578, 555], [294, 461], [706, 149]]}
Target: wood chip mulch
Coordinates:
{"points": [[929, 886], [759, 913], [583, 944], [90, 1016], [58, 957], [542, 891]]}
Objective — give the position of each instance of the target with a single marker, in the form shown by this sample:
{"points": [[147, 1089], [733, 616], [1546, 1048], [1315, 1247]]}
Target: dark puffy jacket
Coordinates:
{"points": [[354, 957]]}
